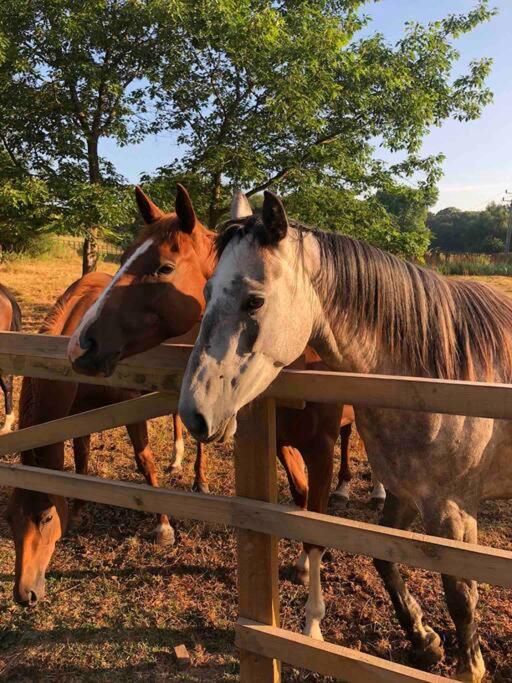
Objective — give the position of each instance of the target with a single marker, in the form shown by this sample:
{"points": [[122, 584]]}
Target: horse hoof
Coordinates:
{"points": [[432, 651], [339, 501], [476, 673], [377, 503], [164, 535], [201, 487]]}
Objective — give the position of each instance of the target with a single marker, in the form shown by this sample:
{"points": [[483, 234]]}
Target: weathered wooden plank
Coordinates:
{"points": [[325, 658], [181, 504], [256, 478], [162, 369], [97, 420], [489, 565]]}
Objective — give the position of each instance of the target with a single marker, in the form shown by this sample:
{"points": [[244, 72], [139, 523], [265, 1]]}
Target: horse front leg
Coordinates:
{"points": [[178, 449], [399, 514], [138, 433], [200, 479], [81, 452], [449, 520], [319, 461]]}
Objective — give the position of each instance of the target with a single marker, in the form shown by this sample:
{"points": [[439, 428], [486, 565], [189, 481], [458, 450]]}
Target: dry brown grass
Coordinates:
{"points": [[117, 605]]}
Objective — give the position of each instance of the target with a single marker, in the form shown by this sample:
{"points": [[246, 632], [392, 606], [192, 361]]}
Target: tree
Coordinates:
{"points": [[469, 231], [394, 220], [71, 74], [284, 94]]}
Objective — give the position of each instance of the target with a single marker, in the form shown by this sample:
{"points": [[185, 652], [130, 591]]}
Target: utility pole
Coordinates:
{"points": [[508, 203]]}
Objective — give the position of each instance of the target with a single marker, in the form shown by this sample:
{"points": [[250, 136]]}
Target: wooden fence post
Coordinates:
{"points": [[256, 477]]}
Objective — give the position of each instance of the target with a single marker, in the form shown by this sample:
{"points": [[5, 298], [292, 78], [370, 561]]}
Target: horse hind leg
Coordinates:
{"points": [[378, 495], [451, 521], [6, 382], [138, 433], [342, 492], [293, 463], [399, 514], [178, 449]]}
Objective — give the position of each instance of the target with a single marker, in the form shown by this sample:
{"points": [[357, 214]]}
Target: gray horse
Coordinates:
{"points": [[280, 286]]}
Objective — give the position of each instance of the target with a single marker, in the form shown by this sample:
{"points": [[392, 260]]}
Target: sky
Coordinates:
{"points": [[478, 164]]}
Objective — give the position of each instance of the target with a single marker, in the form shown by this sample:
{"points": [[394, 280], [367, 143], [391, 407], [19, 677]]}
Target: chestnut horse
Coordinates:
{"points": [[38, 520], [10, 320], [279, 286], [157, 294]]}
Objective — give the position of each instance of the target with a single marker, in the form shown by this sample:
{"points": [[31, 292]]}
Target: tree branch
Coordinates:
{"points": [[287, 170]]}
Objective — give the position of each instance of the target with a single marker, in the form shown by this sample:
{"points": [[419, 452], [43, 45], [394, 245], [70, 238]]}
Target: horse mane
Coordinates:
{"points": [[430, 325], [53, 323]]}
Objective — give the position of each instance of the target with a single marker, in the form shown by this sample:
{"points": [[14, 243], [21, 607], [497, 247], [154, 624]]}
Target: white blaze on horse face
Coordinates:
{"points": [[75, 350], [240, 349]]}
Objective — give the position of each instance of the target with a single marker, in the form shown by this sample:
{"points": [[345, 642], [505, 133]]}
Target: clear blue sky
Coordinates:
{"points": [[478, 165]]}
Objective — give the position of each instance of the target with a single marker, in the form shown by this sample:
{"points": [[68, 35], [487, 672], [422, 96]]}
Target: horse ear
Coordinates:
{"points": [[240, 207], [148, 210], [185, 209], [274, 217]]}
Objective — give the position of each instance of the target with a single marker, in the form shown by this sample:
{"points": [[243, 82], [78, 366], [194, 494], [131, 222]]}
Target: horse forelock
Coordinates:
{"points": [[166, 231]]}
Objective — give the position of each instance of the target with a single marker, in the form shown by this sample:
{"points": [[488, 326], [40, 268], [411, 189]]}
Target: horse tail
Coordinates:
{"points": [[16, 320]]}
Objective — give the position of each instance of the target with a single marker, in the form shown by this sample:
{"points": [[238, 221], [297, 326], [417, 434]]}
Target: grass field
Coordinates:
{"points": [[116, 604]]}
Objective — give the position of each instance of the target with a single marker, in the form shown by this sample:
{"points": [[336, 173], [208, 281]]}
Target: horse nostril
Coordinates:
{"points": [[198, 425], [88, 344], [32, 598]]}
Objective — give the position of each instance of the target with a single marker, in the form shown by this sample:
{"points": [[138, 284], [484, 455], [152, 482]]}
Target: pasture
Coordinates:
{"points": [[117, 605]]}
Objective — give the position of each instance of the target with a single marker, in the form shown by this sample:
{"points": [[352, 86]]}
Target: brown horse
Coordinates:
{"points": [[157, 294], [38, 520], [10, 320]]}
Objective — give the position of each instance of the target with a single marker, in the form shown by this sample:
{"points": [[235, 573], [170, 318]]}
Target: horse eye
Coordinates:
{"points": [[46, 520], [165, 269], [253, 303]]}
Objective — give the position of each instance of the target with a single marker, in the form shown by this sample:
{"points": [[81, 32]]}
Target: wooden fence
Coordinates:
{"points": [[254, 512], [106, 250]]}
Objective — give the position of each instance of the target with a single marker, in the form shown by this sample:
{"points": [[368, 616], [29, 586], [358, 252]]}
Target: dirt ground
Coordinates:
{"points": [[116, 604]]}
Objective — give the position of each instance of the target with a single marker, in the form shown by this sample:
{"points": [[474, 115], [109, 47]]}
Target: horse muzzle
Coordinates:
{"points": [[29, 596], [96, 364]]}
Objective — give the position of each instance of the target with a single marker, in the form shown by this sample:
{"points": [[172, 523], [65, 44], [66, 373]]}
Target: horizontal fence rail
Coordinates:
{"points": [[97, 420], [325, 658], [489, 565], [162, 368]]}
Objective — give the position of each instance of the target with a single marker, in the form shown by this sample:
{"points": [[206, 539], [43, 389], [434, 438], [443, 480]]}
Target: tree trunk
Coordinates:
{"points": [[90, 248], [213, 211]]}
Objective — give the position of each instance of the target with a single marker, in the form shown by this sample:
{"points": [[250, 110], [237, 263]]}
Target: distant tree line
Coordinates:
{"points": [[258, 94], [480, 232]]}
